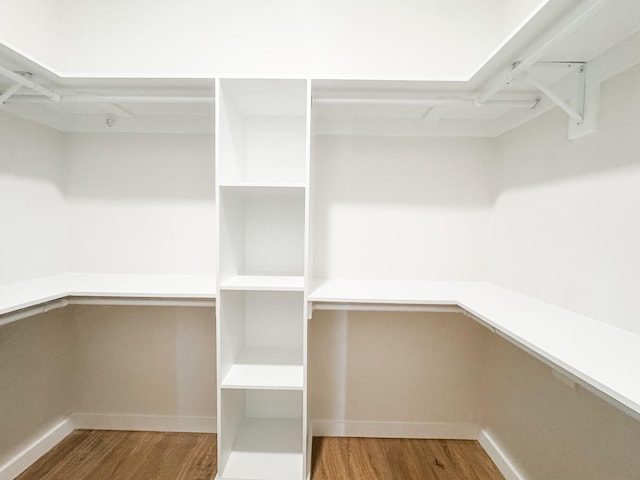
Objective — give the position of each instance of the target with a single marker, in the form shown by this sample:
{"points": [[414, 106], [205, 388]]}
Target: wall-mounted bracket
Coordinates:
{"points": [[9, 92], [574, 108]]}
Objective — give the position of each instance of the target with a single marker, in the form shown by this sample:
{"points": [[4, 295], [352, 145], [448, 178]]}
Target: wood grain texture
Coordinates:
{"points": [[400, 459], [117, 455]]}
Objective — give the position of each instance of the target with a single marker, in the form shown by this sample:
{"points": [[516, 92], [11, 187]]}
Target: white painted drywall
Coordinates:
{"points": [[401, 208], [141, 203], [566, 221], [550, 431], [381, 38], [33, 215]]}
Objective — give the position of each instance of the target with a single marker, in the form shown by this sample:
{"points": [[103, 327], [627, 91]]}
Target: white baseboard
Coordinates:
{"points": [[41, 445], [145, 423], [331, 428], [498, 456]]}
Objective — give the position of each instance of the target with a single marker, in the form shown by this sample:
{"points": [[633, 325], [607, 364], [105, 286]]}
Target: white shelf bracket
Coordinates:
{"points": [[573, 113], [9, 92], [588, 101]]}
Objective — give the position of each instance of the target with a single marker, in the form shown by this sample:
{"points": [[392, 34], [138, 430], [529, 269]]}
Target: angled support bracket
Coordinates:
{"points": [[581, 109], [9, 92]]}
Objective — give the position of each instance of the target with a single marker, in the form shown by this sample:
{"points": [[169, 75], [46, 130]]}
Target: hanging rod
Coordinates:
{"points": [[9, 92], [33, 310], [376, 307], [115, 99], [37, 309], [569, 26], [24, 80], [423, 102]]}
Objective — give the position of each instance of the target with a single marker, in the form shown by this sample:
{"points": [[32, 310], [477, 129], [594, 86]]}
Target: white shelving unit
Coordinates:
{"points": [[262, 169]]}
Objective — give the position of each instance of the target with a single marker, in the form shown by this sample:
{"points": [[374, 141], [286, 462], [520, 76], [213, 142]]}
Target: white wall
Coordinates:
{"points": [[203, 37], [401, 208], [566, 222], [32, 205], [550, 431], [141, 203]]}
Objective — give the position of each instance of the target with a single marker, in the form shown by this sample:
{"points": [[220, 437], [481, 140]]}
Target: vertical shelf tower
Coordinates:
{"points": [[262, 187]]}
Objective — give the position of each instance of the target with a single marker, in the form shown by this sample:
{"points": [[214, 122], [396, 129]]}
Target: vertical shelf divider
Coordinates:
{"points": [[262, 214]]}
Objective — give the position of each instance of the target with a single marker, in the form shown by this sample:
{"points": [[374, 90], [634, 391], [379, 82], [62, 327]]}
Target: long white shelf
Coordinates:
{"points": [[20, 295], [266, 368], [601, 357], [264, 189], [266, 445]]}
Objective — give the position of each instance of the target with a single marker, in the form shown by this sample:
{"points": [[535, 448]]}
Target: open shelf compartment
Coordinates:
{"points": [[263, 435], [261, 232], [262, 130], [261, 337]]}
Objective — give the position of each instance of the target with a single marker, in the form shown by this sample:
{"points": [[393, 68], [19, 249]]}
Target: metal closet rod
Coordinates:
{"points": [[48, 306], [424, 102], [113, 99], [25, 81]]}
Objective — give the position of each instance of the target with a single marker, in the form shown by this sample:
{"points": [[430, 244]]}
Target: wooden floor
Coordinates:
{"points": [[111, 455]]}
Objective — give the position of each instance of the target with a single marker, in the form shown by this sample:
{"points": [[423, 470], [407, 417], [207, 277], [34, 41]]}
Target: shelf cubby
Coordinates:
{"points": [[261, 337], [261, 232], [262, 131], [263, 435]]}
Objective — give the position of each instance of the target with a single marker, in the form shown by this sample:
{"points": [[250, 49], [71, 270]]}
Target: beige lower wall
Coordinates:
{"points": [[363, 367], [145, 360], [551, 431], [36, 378], [104, 360], [395, 367]]}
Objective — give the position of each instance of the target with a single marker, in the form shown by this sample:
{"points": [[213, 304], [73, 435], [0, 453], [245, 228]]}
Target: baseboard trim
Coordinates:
{"points": [[145, 423], [331, 428], [36, 449], [499, 457]]}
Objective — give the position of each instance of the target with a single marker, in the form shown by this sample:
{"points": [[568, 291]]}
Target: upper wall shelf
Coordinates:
{"points": [[496, 98]]}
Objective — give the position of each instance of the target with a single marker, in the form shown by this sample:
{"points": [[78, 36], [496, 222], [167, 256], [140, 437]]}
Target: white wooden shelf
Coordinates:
{"points": [[266, 449], [264, 189], [264, 282], [598, 356], [20, 295], [266, 368]]}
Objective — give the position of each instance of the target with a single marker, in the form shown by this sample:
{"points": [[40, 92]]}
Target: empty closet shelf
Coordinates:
{"points": [[264, 282], [266, 368], [266, 447]]}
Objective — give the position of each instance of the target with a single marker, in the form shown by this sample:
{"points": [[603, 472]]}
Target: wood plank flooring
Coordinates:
{"points": [[117, 455], [400, 459]]}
